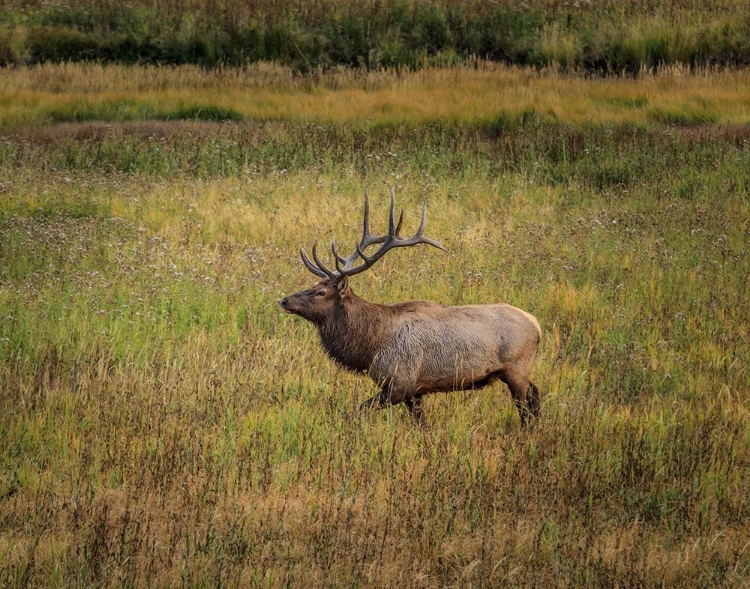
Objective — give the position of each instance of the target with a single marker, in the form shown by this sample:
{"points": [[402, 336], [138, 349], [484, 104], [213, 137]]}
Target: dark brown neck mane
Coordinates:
{"points": [[354, 334]]}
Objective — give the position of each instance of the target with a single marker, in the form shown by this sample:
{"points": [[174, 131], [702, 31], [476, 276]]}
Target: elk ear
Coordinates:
{"points": [[342, 284]]}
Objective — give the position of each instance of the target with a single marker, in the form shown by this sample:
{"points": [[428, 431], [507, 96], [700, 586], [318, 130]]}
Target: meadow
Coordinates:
{"points": [[163, 422]]}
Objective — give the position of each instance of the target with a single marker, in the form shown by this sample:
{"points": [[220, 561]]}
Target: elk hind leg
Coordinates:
{"points": [[525, 396], [533, 402]]}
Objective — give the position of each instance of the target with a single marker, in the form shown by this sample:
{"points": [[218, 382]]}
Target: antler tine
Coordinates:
{"points": [[419, 237], [335, 252], [338, 259], [366, 217], [392, 215], [333, 276], [310, 266], [394, 231], [367, 239], [424, 218], [400, 222]]}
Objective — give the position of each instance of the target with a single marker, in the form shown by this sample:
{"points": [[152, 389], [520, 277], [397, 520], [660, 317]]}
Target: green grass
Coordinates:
{"points": [[165, 423]]}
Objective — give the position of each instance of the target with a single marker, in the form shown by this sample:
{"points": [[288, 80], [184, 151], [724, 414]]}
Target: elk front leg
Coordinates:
{"points": [[388, 395], [374, 402]]}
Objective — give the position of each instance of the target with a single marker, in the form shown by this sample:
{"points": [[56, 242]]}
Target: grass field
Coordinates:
{"points": [[164, 423]]}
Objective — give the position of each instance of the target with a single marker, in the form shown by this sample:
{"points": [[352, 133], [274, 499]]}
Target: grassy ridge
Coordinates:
{"points": [[599, 36], [164, 423]]}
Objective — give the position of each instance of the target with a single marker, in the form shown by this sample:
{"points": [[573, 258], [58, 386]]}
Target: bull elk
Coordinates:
{"points": [[417, 347]]}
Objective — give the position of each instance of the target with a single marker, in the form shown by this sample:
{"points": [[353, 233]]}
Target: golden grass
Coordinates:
{"points": [[460, 95]]}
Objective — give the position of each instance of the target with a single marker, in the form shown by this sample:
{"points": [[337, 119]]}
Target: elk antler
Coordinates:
{"points": [[346, 266]]}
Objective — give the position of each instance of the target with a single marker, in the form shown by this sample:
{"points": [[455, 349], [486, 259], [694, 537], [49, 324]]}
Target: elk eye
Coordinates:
{"points": [[320, 293]]}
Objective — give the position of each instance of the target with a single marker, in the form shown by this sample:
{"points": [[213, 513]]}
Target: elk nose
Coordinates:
{"points": [[283, 302]]}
